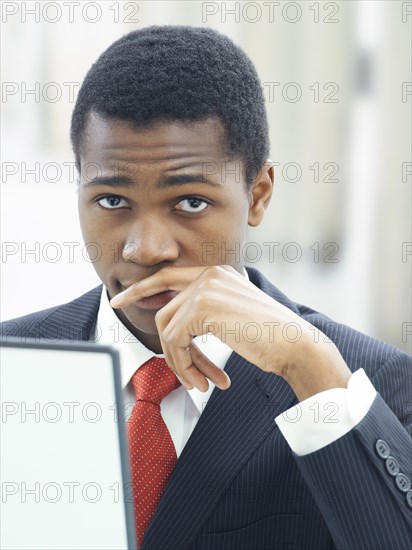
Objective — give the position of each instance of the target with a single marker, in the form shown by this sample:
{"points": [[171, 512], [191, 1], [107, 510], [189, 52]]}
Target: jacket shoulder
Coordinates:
{"points": [[32, 325], [357, 349]]}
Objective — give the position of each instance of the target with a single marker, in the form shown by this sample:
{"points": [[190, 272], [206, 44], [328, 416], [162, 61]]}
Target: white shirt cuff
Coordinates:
{"points": [[326, 416]]}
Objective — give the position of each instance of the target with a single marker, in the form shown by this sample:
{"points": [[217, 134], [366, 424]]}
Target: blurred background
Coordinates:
{"points": [[337, 81]]}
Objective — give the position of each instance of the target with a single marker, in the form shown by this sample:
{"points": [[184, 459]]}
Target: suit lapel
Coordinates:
{"points": [[234, 423]]}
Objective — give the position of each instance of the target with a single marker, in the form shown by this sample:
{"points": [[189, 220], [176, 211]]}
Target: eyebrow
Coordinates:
{"points": [[164, 183]]}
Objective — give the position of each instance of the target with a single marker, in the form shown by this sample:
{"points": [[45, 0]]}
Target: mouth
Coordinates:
{"points": [[157, 301]]}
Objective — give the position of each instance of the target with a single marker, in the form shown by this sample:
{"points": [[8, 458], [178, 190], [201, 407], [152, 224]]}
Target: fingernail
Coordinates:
{"points": [[116, 300]]}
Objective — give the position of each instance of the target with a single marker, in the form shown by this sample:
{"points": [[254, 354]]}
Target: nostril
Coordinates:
{"points": [[130, 248], [150, 250]]}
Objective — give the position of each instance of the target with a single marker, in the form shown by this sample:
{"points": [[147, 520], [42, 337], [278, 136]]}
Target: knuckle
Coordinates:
{"points": [[210, 281], [212, 272], [199, 299], [168, 339], [159, 318], [164, 275]]}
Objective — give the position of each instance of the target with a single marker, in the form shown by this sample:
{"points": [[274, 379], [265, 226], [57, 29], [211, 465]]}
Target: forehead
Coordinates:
{"points": [[160, 140]]}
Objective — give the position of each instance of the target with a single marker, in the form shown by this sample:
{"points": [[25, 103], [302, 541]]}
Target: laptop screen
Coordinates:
{"points": [[64, 462]]}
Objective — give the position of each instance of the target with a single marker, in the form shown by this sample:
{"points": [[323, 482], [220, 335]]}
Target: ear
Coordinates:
{"points": [[261, 193]]}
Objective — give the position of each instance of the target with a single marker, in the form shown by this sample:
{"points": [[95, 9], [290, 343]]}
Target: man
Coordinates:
{"points": [[304, 442]]}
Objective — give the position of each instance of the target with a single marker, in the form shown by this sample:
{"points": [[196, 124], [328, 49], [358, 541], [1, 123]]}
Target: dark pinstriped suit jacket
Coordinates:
{"points": [[238, 486]]}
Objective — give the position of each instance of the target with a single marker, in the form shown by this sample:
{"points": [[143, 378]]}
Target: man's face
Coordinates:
{"points": [[165, 195]]}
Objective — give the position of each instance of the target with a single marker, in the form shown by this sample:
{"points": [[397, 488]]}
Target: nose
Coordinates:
{"points": [[150, 243]]}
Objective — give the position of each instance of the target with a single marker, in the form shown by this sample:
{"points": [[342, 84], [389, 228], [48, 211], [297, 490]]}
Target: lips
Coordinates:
{"points": [[157, 301]]}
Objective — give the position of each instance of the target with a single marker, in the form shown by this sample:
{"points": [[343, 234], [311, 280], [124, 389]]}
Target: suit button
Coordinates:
{"points": [[409, 498], [403, 482], [392, 466], [382, 448]]}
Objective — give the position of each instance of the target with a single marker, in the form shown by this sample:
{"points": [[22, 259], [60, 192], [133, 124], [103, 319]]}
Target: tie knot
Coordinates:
{"points": [[154, 380]]}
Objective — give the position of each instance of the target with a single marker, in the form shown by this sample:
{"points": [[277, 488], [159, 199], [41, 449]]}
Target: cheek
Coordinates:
{"points": [[94, 229], [100, 245], [223, 242], [87, 222]]}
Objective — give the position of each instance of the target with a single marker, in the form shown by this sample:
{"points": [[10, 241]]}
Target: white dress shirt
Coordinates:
{"points": [[307, 427]]}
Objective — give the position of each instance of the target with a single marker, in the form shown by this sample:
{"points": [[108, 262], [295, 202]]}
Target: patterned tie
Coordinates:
{"points": [[152, 453]]}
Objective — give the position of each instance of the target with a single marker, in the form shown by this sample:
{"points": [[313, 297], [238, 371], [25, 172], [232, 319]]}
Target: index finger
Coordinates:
{"points": [[168, 278]]}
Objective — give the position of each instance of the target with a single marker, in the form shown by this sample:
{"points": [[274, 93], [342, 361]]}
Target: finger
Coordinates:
{"points": [[168, 278], [189, 361], [185, 371], [196, 378], [215, 374], [181, 376], [162, 319], [164, 315], [176, 332]]}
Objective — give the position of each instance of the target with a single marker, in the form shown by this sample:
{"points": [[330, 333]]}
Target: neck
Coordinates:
{"points": [[151, 341]]}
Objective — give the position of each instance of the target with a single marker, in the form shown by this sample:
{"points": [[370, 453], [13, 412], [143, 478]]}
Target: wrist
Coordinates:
{"points": [[317, 367]]}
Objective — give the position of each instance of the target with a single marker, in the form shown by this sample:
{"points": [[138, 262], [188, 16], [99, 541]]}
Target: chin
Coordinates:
{"points": [[143, 321]]}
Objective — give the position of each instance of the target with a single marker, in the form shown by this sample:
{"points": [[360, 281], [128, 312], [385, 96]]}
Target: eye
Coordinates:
{"points": [[112, 202], [192, 204]]}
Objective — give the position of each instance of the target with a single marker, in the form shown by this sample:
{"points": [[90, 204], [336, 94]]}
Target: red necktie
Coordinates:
{"points": [[152, 452]]}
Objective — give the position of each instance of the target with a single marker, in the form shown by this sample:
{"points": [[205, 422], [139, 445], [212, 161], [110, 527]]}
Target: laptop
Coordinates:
{"points": [[63, 449]]}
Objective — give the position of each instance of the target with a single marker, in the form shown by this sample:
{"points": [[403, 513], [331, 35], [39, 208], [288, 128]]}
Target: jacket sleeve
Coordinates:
{"points": [[362, 481]]}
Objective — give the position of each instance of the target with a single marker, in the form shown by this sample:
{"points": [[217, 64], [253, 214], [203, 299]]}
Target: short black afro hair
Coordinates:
{"points": [[161, 73]]}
